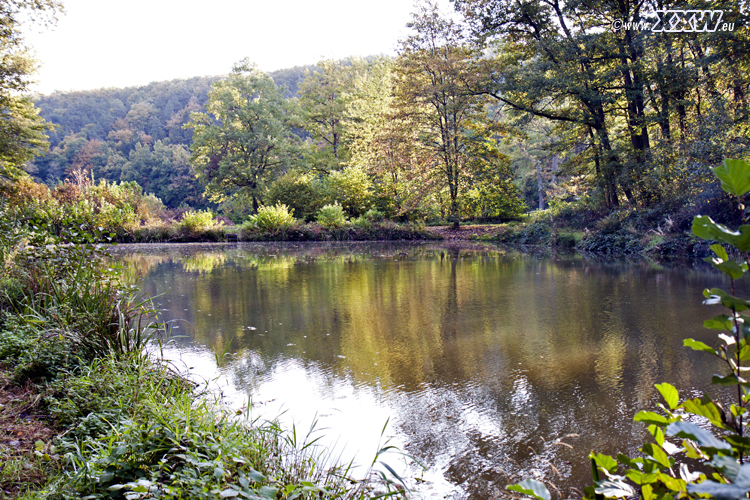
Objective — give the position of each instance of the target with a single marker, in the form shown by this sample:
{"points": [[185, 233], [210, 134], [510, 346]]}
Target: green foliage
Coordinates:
{"points": [[435, 74], [194, 221], [302, 193], [272, 218], [244, 139], [63, 305], [722, 445], [674, 96], [108, 209], [332, 215], [22, 130], [324, 96], [350, 188]]}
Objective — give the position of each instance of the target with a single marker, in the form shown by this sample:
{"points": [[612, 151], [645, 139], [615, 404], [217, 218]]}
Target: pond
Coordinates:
{"points": [[488, 366]]}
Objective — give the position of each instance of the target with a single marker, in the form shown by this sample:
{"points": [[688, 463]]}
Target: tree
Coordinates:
{"points": [[22, 131], [324, 96], [622, 94], [244, 139], [385, 144], [435, 74]]}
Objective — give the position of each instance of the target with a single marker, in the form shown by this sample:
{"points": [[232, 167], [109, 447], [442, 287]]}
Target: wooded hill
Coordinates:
{"points": [[133, 134]]}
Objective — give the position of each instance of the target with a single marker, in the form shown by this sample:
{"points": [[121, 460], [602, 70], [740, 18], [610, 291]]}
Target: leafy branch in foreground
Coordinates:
{"points": [[698, 429]]}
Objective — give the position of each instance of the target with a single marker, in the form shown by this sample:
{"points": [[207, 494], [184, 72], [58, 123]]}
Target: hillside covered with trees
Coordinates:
{"points": [[484, 115]]}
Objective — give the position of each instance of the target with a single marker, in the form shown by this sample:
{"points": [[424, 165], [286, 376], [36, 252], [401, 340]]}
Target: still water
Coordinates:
{"points": [[488, 366]]}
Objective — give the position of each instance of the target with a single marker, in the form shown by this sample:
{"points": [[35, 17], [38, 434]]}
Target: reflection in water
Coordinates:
{"points": [[491, 366]]}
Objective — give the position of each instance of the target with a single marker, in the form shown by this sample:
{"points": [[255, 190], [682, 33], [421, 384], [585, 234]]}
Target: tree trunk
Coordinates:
{"points": [[540, 185]]}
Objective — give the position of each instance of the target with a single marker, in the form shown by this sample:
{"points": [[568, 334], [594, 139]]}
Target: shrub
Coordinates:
{"points": [[300, 192], [351, 188], [272, 218], [332, 216], [194, 221], [374, 215]]}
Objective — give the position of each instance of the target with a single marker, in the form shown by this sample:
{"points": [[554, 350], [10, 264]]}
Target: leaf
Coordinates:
{"points": [[704, 438], [255, 476], [268, 492], [532, 488], [704, 227], [106, 477], [728, 465], [719, 251], [649, 417], [727, 380], [734, 176], [657, 433], [229, 493], [743, 478], [671, 483], [669, 393], [730, 268], [639, 477], [615, 489], [39, 445], [718, 490], [657, 454], [728, 340], [719, 296], [720, 322], [698, 346], [606, 462], [705, 408], [648, 492]]}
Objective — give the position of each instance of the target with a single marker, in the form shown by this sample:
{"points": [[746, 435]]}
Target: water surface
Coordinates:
{"points": [[489, 366]]}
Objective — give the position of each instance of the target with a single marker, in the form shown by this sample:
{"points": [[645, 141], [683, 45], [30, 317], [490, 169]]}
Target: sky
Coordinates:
{"points": [[116, 43]]}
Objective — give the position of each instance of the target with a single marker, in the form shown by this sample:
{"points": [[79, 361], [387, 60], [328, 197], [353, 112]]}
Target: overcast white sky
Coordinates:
{"points": [[116, 43]]}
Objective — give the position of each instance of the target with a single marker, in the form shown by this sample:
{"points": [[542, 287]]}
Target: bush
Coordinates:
{"points": [[300, 192], [194, 221], [374, 215], [350, 188], [332, 216], [273, 218]]}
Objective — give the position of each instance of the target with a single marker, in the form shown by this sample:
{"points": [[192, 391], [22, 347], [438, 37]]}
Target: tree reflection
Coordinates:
{"points": [[484, 357]]}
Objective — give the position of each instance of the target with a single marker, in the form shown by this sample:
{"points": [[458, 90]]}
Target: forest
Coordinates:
{"points": [[482, 116]]}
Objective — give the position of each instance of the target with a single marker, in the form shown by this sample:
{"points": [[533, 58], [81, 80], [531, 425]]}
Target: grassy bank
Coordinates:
{"points": [[177, 233], [85, 412], [663, 232]]}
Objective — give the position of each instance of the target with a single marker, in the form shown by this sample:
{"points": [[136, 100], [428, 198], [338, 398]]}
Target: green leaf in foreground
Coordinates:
{"points": [[697, 345], [669, 393], [704, 227], [734, 176], [532, 488], [691, 431], [616, 489]]}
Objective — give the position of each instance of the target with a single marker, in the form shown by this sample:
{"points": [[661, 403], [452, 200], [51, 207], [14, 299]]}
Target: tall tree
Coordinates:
{"points": [[620, 92], [324, 96], [244, 138], [435, 74], [385, 144], [22, 131]]}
